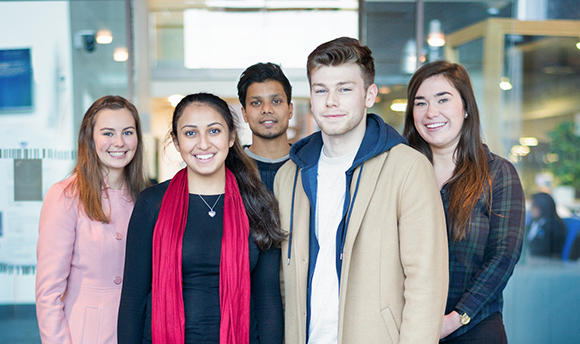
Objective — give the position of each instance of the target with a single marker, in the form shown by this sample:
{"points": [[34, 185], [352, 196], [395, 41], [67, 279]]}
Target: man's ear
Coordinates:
{"points": [[291, 110], [244, 114], [371, 96]]}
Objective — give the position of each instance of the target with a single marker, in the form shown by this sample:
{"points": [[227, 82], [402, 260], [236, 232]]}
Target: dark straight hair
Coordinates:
{"points": [[471, 178], [261, 206], [261, 72], [547, 207]]}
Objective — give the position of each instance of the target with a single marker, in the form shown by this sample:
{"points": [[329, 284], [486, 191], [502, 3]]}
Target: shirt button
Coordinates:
{"points": [[118, 236], [117, 280]]}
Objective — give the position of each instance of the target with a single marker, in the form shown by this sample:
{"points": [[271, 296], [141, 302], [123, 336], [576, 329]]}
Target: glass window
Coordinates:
{"points": [[524, 61], [231, 39], [59, 56], [69, 54]]}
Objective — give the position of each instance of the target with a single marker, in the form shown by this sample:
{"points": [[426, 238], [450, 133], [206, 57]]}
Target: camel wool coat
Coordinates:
{"points": [[394, 278]]}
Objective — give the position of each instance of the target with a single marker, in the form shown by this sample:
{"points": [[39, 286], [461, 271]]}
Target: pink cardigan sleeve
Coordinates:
{"points": [[56, 238]]}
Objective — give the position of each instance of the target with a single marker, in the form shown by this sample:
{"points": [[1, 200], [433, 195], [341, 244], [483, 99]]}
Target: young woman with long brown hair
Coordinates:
{"points": [[83, 222], [482, 196], [198, 266]]}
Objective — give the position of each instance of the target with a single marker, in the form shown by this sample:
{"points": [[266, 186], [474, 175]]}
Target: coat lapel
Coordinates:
{"points": [[370, 174], [300, 250]]}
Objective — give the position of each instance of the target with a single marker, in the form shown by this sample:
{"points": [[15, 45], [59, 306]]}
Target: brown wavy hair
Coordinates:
{"points": [[261, 206], [470, 179], [340, 51], [89, 169]]}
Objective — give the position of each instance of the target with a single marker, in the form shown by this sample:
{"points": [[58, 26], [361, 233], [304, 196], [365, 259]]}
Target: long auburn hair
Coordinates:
{"points": [[89, 170], [261, 206], [470, 179]]}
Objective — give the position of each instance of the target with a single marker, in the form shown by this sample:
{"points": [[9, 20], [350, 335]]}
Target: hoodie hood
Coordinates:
{"points": [[379, 137]]}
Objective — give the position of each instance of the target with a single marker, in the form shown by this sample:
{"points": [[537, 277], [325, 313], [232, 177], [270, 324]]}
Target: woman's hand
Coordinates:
{"points": [[450, 324]]}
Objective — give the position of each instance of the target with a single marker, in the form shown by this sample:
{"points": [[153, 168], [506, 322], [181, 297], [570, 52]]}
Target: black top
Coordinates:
{"points": [[200, 272], [266, 168], [268, 172]]}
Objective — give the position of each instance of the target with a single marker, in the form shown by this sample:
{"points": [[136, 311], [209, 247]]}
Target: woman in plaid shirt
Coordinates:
{"points": [[482, 196]]}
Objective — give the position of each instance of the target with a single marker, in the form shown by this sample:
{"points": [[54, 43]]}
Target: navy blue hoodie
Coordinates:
{"points": [[379, 137]]}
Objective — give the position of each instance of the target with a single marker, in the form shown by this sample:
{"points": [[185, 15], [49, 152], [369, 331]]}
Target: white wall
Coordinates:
{"points": [[42, 26]]}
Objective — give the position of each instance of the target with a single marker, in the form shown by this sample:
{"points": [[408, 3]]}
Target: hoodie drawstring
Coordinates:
{"points": [[345, 226], [349, 212], [292, 215]]}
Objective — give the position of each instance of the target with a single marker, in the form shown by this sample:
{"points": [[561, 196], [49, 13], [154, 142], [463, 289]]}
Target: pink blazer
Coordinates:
{"points": [[80, 267]]}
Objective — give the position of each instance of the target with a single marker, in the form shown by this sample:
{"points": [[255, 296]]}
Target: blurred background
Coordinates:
{"points": [[57, 57]]}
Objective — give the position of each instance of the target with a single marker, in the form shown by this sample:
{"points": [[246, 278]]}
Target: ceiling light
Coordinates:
{"points": [[399, 105], [528, 141], [520, 150], [121, 54], [436, 38], [384, 90], [104, 37], [513, 158], [175, 99], [505, 84]]}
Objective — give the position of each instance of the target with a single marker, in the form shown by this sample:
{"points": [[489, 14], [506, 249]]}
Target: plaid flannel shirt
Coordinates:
{"points": [[481, 264]]}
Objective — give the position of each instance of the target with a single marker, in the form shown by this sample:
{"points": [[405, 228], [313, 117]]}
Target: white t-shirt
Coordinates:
{"points": [[324, 296]]}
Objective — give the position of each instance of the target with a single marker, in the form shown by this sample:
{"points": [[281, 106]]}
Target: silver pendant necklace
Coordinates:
{"points": [[211, 212]]}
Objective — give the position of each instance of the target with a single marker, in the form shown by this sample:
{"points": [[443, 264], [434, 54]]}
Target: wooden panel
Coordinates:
{"points": [[491, 108]]}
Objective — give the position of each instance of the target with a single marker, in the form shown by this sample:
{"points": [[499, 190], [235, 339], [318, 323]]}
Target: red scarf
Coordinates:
{"points": [[167, 314]]}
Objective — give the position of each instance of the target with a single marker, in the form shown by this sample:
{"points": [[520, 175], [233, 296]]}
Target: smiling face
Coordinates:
{"points": [[339, 98], [438, 112], [267, 109], [203, 140], [115, 138]]}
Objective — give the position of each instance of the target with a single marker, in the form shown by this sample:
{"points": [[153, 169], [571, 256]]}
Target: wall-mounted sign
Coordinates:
{"points": [[15, 80]]}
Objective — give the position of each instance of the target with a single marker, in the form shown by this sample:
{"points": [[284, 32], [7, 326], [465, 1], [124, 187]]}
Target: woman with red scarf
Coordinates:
{"points": [[202, 258]]}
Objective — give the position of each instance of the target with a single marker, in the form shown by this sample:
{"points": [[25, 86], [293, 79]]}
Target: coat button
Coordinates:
{"points": [[118, 236], [117, 280]]}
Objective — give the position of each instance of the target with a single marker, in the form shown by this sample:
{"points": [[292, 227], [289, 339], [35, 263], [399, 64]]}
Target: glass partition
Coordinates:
{"points": [[524, 61], [75, 52], [523, 57]]}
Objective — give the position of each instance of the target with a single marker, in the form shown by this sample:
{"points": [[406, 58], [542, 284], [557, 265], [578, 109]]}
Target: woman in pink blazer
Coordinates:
{"points": [[83, 223]]}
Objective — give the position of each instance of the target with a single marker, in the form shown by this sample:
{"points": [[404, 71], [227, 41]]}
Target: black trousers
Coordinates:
{"points": [[489, 331]]}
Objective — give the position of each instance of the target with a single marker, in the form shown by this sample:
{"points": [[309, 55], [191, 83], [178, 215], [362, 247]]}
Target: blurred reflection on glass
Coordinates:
{"points": [[546, 232]]}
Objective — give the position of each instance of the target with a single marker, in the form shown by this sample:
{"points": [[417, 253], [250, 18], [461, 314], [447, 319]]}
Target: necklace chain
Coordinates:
{"points": [[211, 212]]}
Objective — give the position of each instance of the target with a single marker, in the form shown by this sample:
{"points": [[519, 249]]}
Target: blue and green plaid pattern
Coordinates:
{"points": [[481, 264]]}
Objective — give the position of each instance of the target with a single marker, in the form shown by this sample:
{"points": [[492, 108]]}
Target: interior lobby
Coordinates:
{"points": [[523, 57]]}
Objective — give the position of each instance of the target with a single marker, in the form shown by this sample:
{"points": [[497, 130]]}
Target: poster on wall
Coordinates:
{"points": [[15, 80], [27, 180], [18, 221]]}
